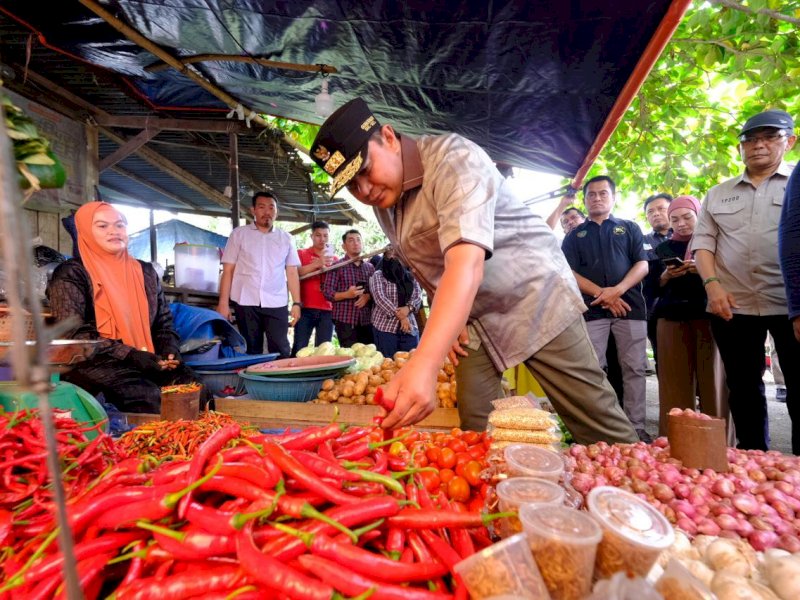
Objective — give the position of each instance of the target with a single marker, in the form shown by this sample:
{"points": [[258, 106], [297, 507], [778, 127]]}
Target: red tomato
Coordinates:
{"points": [[446, 475], [475, 504], [411, 438], [420, 460], [458, 489], [471, 438], [485, 488], [477, 451], [456, 431], [472, 473], [462, 458], [431, 481], [448, 459], [397, 448], [434, 454], [457, 445]]}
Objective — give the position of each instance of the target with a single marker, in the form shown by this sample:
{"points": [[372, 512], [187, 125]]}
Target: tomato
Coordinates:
{"points": [[472, 473], [485, 489], [396, 448], [434, 454], [430, 480], [475, 504], [446, 475], [477, 451], [420, 460], [457, 445], [471, 438], [448, 459], [456, 431], [462, 458], [411, 438], [458, 507], [458, 489]]}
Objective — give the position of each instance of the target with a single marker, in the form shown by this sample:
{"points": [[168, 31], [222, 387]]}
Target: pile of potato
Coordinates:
{"points": [[359, 388]]}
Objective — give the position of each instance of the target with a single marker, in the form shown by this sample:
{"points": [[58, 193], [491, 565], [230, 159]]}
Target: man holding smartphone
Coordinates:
{"points": [[346, 288]]}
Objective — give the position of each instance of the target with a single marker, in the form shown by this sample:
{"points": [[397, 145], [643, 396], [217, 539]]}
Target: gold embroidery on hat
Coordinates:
{"points": [[322, 153], [334, 163], [347, 173], [369, 123]]}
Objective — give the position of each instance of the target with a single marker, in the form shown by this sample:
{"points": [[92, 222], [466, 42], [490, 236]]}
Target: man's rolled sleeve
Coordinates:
{"points": [[466, 198], [705, 233]]}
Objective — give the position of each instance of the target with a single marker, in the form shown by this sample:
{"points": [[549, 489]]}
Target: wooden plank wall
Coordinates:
{"points": [[47, 226]]}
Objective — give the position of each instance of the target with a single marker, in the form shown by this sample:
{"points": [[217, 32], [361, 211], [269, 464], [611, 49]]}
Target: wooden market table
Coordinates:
{"points": [[279, 415], [191, 297]]}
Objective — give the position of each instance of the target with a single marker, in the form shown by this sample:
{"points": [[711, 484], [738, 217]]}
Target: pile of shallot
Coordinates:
{"points": [[758, 499]]}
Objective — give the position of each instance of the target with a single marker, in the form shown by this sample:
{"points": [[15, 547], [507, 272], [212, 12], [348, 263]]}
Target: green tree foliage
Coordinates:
{"points": [[727, 60]]}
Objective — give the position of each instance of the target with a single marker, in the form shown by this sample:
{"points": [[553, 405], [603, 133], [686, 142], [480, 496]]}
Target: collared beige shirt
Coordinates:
{"points": [[739, 224], [453, 194]]}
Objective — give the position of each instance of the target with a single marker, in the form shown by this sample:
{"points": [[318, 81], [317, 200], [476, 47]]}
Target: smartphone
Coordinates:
{"points": [[672, 261]]}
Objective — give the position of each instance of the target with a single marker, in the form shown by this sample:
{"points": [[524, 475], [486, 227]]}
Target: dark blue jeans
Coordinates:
{"points": [[741, 345], [389, 343], [311, 318]]}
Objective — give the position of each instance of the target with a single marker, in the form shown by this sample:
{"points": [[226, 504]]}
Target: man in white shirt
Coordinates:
{"points": [[258, 263]]}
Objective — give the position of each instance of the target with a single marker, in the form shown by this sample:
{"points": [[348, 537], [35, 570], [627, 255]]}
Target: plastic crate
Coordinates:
{"points": [[217, 381], [282, 389]]}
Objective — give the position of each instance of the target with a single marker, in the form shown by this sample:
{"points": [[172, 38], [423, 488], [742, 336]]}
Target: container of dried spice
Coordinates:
{"points": [[528, 461], [563, 542], [503, 569], [516, 491], [634, 533]]}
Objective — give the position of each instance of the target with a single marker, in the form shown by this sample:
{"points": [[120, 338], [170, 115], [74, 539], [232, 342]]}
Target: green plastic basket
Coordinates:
{"points": [[283, 389]]}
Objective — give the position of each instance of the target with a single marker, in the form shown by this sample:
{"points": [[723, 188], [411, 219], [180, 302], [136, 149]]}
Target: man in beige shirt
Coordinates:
{"points": [[736, 250], [503, 292]]}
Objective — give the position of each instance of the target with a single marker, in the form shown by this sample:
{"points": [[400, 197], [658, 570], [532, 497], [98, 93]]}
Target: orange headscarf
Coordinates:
{"points": [[120, 301]]}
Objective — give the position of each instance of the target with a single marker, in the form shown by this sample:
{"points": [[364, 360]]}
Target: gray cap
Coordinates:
{"points": [[779, 119]]}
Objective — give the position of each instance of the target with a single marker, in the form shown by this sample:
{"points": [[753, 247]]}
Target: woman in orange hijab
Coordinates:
{"points": [[119, 300]]}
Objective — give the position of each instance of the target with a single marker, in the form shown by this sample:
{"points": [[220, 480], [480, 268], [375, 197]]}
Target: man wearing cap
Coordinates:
{"points": [[502, 291], [736, 250]]}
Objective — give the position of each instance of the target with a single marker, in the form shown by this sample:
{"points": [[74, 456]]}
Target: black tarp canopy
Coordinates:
{"points": [[532, 82]]}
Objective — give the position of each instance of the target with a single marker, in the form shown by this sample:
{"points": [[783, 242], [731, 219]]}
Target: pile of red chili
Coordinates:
{"points": [[174, 440], [26, 498], [310, 515]]}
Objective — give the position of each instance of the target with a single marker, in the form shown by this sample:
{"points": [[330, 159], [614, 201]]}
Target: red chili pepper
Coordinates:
{"points": [[418, 547], [88, 571], [289, 547], [323, 467], [411, 518], [210, 447], [292, 468], [385, 403], [407, 556], [353, 584], [480, 537], [381, 461], [136, 567], [276, 575], [325, 451], [351, 435], [365, 488], [313, 437], [395, 540], [248, 472], [462, 542], [372, 564], [440, 548], [184, 585]]}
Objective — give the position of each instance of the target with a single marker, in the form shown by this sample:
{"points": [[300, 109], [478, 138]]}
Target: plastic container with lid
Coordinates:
{"points": [[634, 533], [197, 267], [564, 543], [503, 569], [516, 491], [528, 461]]}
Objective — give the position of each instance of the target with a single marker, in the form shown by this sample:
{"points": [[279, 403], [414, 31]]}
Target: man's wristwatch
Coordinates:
{"points": [[300, 304]]}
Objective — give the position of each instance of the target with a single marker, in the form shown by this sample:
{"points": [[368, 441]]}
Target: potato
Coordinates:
{"points": [[371, 389], [447, 403], [370, 398], [359, 388], [360, 399], [327, 385], [324, 396], [334, 394], [442, 377], [387, 375], [347, 391], [350, 377], [401, 354], [376, 369], [374, 380], [387, 363], [400, 362]]}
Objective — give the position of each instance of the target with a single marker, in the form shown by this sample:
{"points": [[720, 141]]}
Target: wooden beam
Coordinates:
{"points": [[131, 201], [161, 162], [202, 125], [233, 169], [253, 60], [63, 93], [156, 188], [300, 229], [189, 72], [128, 148]]}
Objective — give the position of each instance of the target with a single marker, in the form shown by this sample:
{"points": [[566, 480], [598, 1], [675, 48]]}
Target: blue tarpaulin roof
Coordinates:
{"points": [[532, 82], [168, 234]]}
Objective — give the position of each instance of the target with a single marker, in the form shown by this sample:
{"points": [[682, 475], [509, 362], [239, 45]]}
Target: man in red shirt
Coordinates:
{"points": [[317, 311]]}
